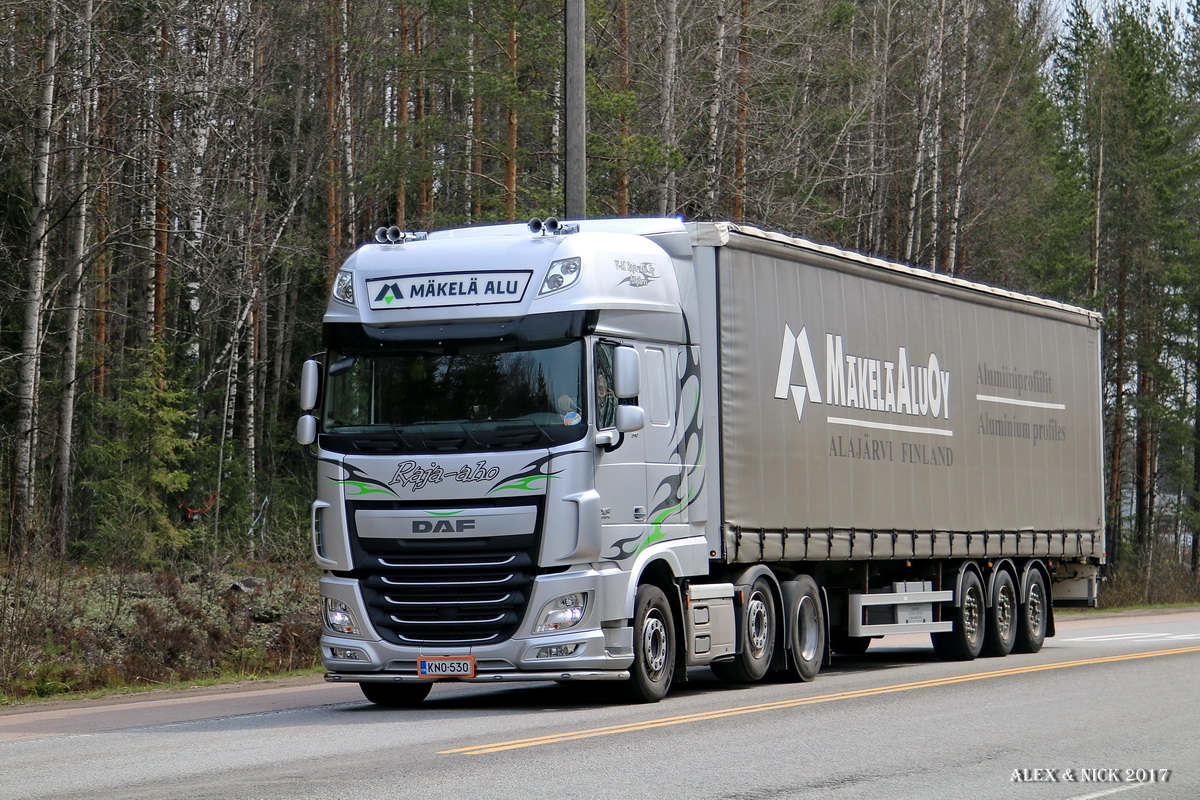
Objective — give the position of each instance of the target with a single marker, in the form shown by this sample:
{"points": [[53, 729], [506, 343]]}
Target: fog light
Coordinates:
{"points": [[346, 654], [339, 619], [562, 613], [557, 651]]}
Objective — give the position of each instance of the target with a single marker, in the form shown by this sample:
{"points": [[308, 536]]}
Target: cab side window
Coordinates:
{"points": [[606, 401]]}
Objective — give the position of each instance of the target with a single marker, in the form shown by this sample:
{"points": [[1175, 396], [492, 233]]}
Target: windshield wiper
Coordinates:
{"points": [[378, 441], [471, 436], [549, 439], [395, 429], [505, 439]]}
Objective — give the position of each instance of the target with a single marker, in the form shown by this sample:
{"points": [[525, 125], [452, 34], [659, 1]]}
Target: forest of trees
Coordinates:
{"points": [[179, 179]]}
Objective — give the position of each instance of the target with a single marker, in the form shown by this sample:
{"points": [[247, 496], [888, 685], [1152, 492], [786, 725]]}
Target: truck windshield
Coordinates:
{"points": [[457, 396]]}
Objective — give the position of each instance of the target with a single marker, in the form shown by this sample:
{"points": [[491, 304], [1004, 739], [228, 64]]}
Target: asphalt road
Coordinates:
{"points": [[1109, 708]]}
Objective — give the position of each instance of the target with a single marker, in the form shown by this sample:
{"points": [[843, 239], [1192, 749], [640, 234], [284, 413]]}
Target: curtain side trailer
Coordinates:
{"points": [[617, 449]]}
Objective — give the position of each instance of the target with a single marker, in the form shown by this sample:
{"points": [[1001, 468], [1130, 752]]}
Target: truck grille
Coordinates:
{"points": [[446, 592]]}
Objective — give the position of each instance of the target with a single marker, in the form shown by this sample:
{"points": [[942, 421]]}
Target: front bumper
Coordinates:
{"points": [[597, 652]]}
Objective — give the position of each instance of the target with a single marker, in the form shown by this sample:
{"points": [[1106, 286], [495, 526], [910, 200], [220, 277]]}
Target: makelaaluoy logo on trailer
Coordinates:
{"points": [[902, 389]]}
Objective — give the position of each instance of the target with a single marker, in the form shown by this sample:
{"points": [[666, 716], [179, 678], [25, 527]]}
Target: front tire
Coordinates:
{"points": [[396, 695], [760, 622], [654, 647]]}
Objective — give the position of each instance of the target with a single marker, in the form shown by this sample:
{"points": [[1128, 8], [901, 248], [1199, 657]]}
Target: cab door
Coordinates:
{"points": [[663, 442], [621, 477]]}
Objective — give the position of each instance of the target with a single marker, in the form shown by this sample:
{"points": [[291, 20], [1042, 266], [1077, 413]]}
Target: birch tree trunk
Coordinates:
{"points": [[254, 259], [24, 514], [912, 242], [161, 212], [346, 120], [961, 156], [881, 44], [935, 206], [715, 107], [668, 194], [912, 246], [103, 252], [738, 207], [333, 166], [64, 463]]}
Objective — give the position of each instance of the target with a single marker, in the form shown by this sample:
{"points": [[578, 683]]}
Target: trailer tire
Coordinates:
{"points": [[1034, 616], [965, 641], [1002, 617], [396, 695], [760, 625], [653, 647], [806, 624]]}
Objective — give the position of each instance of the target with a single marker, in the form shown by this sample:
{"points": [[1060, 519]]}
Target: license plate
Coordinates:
{"points": [[446, 667]]}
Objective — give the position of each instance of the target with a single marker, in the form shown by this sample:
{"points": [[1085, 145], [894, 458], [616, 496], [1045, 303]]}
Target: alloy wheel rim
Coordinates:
{"points": [[758, 625], [654, 644]]}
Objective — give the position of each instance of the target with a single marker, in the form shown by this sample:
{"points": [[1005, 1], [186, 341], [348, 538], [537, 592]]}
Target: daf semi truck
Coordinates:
{"points": [[618, 450]]}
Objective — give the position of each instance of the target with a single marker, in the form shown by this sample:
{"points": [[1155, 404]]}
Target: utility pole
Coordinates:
{"points": [[575, 189]]}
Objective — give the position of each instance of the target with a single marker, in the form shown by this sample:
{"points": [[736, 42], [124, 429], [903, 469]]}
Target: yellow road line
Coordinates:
{"points": [[778, 705]]}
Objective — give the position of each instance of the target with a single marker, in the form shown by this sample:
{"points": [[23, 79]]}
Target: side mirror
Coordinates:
{"points": [[310, 384], [630, 418], [627, 372], [306, 430]]}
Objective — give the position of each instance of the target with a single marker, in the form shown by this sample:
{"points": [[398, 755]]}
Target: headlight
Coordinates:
{"points": [[339, 619], [343, 286], [562, 613], [561, 275]]}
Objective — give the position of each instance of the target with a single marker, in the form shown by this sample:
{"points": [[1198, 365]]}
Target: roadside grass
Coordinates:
{"points": [[73, 630], [1151, 584]]}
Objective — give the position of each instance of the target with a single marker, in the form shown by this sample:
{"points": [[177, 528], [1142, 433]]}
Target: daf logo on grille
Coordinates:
{"points": [[442, 525]]}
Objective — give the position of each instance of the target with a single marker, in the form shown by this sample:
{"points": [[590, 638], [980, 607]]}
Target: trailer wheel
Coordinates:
{"points": [[807, 631], [1001, 633], [396, 695], [758, 630], [965, 641], [1034, 616], [653, 647]]}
